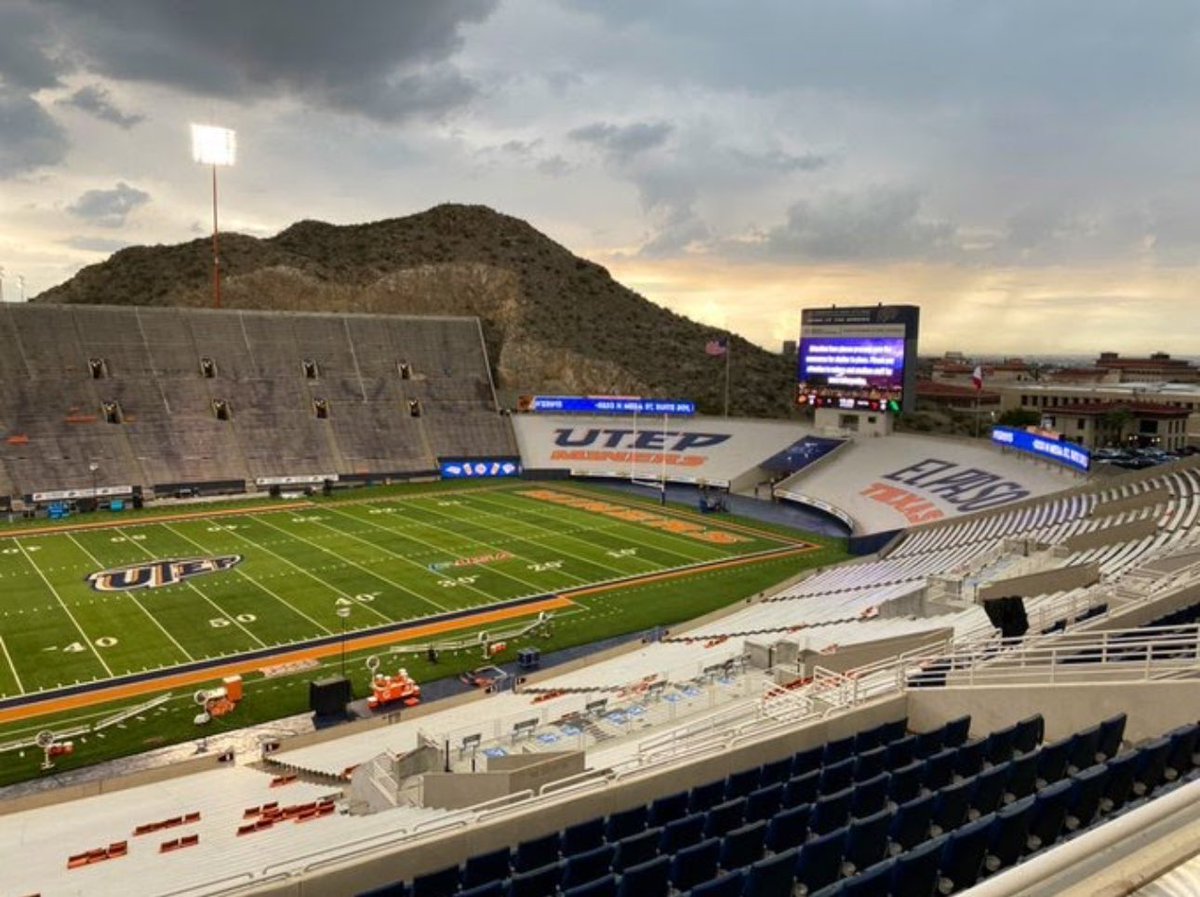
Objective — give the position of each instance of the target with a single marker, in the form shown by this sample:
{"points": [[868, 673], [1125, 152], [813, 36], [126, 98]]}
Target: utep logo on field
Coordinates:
{"points": [[159, 573]]}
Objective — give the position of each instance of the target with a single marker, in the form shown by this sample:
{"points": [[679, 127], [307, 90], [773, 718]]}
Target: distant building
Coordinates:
{"points": [[1158, 368], [938, 394], [1082, 376], [1166, 415], [953, 369]]}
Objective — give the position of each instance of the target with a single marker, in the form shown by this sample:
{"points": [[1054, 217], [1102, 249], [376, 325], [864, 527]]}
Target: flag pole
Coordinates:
{"points": [[728, 352]]}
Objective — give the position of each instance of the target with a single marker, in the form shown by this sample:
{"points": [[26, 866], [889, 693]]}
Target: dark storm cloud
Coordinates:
{"points": [[95, 100], [881, 223], [29, 137], [29, 58], [623, 142], [109, 208], [382, 58]]}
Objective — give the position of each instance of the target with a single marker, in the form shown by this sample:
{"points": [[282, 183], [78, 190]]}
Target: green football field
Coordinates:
{"points": [[83, 605]]}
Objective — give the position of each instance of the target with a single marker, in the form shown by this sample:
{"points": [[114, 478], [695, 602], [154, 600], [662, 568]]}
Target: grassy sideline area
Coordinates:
{"points": [[543, 549]]}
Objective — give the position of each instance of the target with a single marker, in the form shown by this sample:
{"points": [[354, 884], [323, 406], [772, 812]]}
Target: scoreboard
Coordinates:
{"points": [[858, 358]]}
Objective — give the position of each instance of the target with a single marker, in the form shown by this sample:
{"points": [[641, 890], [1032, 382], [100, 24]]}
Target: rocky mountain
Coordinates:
{"points": [[554, 322]]}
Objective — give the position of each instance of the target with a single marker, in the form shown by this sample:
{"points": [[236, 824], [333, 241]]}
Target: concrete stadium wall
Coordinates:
{"points": [[1110, 535], [1059, 579], [1153, 707]]}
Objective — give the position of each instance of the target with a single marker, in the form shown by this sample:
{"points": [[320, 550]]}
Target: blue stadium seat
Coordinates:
{"points": [[837, 750], [1119, 788], [739, 784], [1087, 788], [772, 877], [1008, 840], [868, 739], [730, 884], [777, 771], [1022, 777], [601, 887], [928, 743], [744, 845], [645, 880], [485, 867], [1151, 766], [956, 731], [441, 883], [893, 730], [1181, 756], [987, 790], [802, 789], [870, 796], [866, 842], [724, 817], [1000, 745], [667, 809], [1112, 732], [394, 889], [535, 853], [939, 769], [872, 882], [1052, 761], [870, 763], [789, 828], [637, 849], [625, 823], [962, 857], [1049, 814], [969, 759], [807, 761], [910, 825], [950, 807], [1030, 732], [582, 837], [1082, 752], [765, 802], [536, 882], [915, 873], [837, 889], [901, 752], [681, 833], [831, 812], [704, 796], [695, 865], [819, 861], [498, 888], [905, 782], [837, 776], [580, 868]]}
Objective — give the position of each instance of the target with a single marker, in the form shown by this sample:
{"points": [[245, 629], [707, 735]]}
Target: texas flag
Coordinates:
{"points": [[717, 347], [977, 377]]}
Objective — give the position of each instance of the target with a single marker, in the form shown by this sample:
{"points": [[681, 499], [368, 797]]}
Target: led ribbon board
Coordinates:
{"points": [[1066, 453], [626, 405]]}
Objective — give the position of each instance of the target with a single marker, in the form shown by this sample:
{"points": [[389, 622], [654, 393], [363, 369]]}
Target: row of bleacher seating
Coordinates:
{"points": [[888, 811]]}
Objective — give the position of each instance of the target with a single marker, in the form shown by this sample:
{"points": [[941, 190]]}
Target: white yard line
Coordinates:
{"points": [[346, 560], [537, 589], [12, 666], [63, 604], [255, 582], [128, 594], [231, 617]]}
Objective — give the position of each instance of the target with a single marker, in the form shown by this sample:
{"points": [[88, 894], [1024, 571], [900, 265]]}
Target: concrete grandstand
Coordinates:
{"points": [[864, 728], [164, 400]]}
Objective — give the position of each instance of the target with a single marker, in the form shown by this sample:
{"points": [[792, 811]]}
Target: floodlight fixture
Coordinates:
{"points": [[214, 146]]}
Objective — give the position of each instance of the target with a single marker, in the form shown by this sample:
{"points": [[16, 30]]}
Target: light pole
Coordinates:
{"points": [[214, 146], [343, 613]]}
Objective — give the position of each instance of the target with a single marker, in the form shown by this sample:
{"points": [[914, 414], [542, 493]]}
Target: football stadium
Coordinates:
{"points": [[295, 606]]}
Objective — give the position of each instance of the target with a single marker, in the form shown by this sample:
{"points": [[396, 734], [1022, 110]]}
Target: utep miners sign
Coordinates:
{"points": [[156, 574]]}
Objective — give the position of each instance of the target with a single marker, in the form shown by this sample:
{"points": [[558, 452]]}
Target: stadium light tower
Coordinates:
{"points": [[214, 146]]}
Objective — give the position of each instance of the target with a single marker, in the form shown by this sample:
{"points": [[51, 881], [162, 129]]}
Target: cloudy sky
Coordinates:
{"points": [[1025, 170]]}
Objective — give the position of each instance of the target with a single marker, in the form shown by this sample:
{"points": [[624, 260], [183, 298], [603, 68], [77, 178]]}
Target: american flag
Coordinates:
{"points": [[717, 347]]}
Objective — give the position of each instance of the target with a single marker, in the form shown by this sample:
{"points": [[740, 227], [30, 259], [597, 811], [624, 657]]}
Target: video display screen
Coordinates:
{"points": [[850, 372]]}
